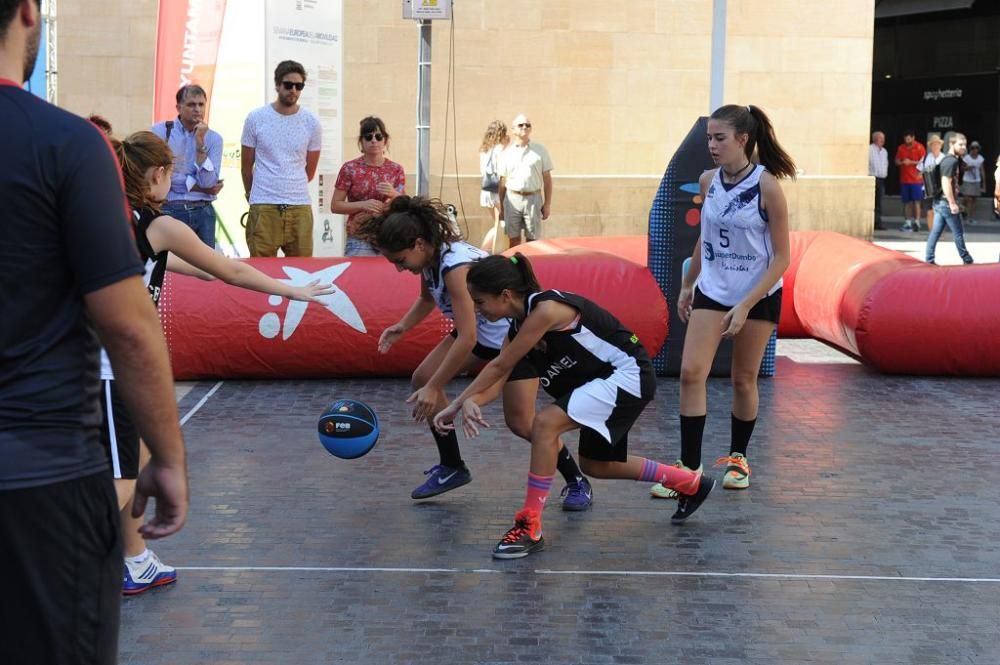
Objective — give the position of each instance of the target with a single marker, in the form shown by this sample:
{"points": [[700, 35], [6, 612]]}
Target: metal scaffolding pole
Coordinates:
{"points": [[424, 109]]}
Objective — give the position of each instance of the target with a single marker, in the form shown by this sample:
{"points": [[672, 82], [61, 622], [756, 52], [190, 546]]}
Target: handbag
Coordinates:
{"points": [[491, 180]]}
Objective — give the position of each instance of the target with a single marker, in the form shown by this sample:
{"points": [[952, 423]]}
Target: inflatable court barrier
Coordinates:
{"points": [[214, 330]]}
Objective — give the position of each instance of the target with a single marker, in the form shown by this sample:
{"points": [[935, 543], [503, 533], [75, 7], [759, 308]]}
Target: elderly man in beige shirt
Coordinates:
{"points": [[525, 183]]}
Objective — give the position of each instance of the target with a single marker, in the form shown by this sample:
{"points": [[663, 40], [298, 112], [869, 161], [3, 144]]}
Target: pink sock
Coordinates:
{"points": [[682, 480], [538, 492]]}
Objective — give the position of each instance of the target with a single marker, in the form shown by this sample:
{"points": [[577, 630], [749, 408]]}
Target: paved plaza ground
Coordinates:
{"points": [[866, 537]]}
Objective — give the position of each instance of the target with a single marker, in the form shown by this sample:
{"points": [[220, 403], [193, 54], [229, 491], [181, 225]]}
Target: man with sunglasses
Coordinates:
{"points": [[525, 184], [281, 145]]}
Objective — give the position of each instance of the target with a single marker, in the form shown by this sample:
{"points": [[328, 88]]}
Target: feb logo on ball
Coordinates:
{"points": [[348, 429]]}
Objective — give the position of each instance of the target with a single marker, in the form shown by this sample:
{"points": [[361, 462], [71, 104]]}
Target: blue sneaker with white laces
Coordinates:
{"points": [[578, 495], [441, 479], [143, 576]]}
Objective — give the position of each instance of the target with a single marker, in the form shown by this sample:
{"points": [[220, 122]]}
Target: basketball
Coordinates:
{"points": [[348, 429]]}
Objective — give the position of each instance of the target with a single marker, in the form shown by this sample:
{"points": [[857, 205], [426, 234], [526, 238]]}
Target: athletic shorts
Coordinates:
{"points": [[767, 308], [605, 413], [911, 192], [119, 435], [522, 370], [61, 561]]}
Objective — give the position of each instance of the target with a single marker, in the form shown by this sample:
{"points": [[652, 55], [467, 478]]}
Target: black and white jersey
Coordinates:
{"points": [[154, 270], [596, 346], [488, 333], [735, 239]]}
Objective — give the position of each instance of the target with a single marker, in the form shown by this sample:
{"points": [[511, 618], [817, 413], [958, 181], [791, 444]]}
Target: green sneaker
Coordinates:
{"points": [[658, 491], [737, 471]]}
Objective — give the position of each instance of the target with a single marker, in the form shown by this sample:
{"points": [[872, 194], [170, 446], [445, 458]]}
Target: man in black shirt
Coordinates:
{"points": [[946, 208], [69, 274]]}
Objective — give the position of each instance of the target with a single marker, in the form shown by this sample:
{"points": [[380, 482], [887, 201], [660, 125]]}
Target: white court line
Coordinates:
{"points": [[200, 403], [615, 573]]}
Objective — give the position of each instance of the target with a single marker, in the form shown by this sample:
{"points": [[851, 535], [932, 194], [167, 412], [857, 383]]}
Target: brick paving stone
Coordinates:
{"points": [[854, 473]]}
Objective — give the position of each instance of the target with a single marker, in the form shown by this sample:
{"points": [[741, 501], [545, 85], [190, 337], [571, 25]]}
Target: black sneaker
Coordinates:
{"points": [[688, 503], [521, 539]]}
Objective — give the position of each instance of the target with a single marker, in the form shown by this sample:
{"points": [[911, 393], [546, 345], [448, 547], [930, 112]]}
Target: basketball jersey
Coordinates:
{"points": [[461, 253], [154, 270], [596, 346], [735, 239]]}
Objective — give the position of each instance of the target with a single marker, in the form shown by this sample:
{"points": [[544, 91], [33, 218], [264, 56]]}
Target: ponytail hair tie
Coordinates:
{"points": [[513, 260], [748, 110]]}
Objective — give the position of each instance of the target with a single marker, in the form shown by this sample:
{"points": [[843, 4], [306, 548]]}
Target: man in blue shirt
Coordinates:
{"points": [[70, 280], [198, 150]]}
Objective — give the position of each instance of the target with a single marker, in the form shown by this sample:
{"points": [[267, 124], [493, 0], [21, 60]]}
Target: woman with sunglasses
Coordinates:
{"points": [[365, 185]]}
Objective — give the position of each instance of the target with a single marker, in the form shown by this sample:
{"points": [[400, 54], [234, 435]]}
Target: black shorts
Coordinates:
{"points": [[767, 308], [119, 435], [61, 561], [522, 370], [605, 414]]}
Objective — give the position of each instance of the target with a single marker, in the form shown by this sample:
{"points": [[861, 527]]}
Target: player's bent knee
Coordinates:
{"points": [[519, 427]]}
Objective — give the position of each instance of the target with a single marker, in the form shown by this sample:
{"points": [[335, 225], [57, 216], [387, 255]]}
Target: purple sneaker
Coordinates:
{"points": [[441, 479], [578, 495]]}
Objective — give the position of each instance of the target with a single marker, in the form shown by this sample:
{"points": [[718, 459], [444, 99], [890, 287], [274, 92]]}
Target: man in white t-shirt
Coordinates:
{"points": [[973, 182], [525, 184], [878, 168], [281, 144]]}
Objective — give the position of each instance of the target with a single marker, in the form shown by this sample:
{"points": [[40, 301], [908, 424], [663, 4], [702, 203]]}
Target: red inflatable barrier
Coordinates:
{"points": [[215, 330]]}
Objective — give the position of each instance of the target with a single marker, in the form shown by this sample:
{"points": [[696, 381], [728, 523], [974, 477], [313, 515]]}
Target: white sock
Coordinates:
{"points": [[139, 558]]}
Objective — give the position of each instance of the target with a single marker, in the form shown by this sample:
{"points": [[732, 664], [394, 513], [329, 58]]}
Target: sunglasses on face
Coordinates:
{"points": [[288, 85], [374, 137], [524, 125]]}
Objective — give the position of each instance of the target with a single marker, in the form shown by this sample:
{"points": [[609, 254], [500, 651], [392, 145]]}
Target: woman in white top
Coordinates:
{"points": [[733, 288], [926, 168], [494, 141], [973, 182]]}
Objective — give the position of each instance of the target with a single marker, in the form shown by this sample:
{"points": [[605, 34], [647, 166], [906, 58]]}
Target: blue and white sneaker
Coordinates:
{"points": [[578, 495], [441, 479], [143, 576]]}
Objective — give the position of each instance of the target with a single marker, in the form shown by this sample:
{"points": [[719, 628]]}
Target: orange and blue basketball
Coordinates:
{"points": [[348, 429]]}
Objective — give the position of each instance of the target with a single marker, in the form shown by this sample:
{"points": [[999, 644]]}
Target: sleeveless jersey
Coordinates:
{"points": [[597, 346], [735, 239], [155, 269], [461, 253]]}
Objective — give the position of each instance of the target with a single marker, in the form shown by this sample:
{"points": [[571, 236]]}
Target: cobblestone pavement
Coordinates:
{"points": [[867, 491]]}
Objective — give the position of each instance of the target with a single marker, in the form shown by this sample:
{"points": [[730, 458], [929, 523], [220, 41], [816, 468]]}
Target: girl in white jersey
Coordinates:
{"points": [[732, 289], [164, 244], [416, 234]]}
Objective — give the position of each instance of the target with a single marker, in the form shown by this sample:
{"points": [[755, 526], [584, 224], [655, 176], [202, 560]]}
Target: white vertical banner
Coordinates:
{"points": [[311, 32]]}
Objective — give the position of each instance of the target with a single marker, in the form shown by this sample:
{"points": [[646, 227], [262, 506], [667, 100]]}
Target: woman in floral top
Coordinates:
{"points": [[365, 185]]}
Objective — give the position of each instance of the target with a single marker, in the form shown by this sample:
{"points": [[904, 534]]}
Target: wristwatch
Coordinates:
{"points": [[203, 148]]}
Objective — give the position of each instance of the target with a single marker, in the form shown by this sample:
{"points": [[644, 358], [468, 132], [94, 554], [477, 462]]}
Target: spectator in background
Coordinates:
{"points": [[71, 277], [996, 189], [878, 168], [911, 187], [366, 184], [525, 184], [494, 142], [973, 181], [926, 168], [946, 208], [198, 158], [281, 145]]}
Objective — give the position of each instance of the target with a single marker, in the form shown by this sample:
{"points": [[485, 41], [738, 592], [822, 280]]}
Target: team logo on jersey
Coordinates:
{"points": [[337, 303], [741, 201]]}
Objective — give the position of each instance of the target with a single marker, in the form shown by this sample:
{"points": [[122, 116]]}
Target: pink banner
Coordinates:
{"points": [[187, 47]]}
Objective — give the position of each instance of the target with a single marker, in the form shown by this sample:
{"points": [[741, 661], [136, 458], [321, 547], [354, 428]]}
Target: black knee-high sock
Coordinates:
{"points": [[692, 431], [567, 466], [742, 429], [448, 448]]}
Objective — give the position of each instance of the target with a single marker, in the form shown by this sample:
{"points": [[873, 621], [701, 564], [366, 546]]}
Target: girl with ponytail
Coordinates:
{"points": [[416, 234], [164, 243], [732, 289], [597, 371]]}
